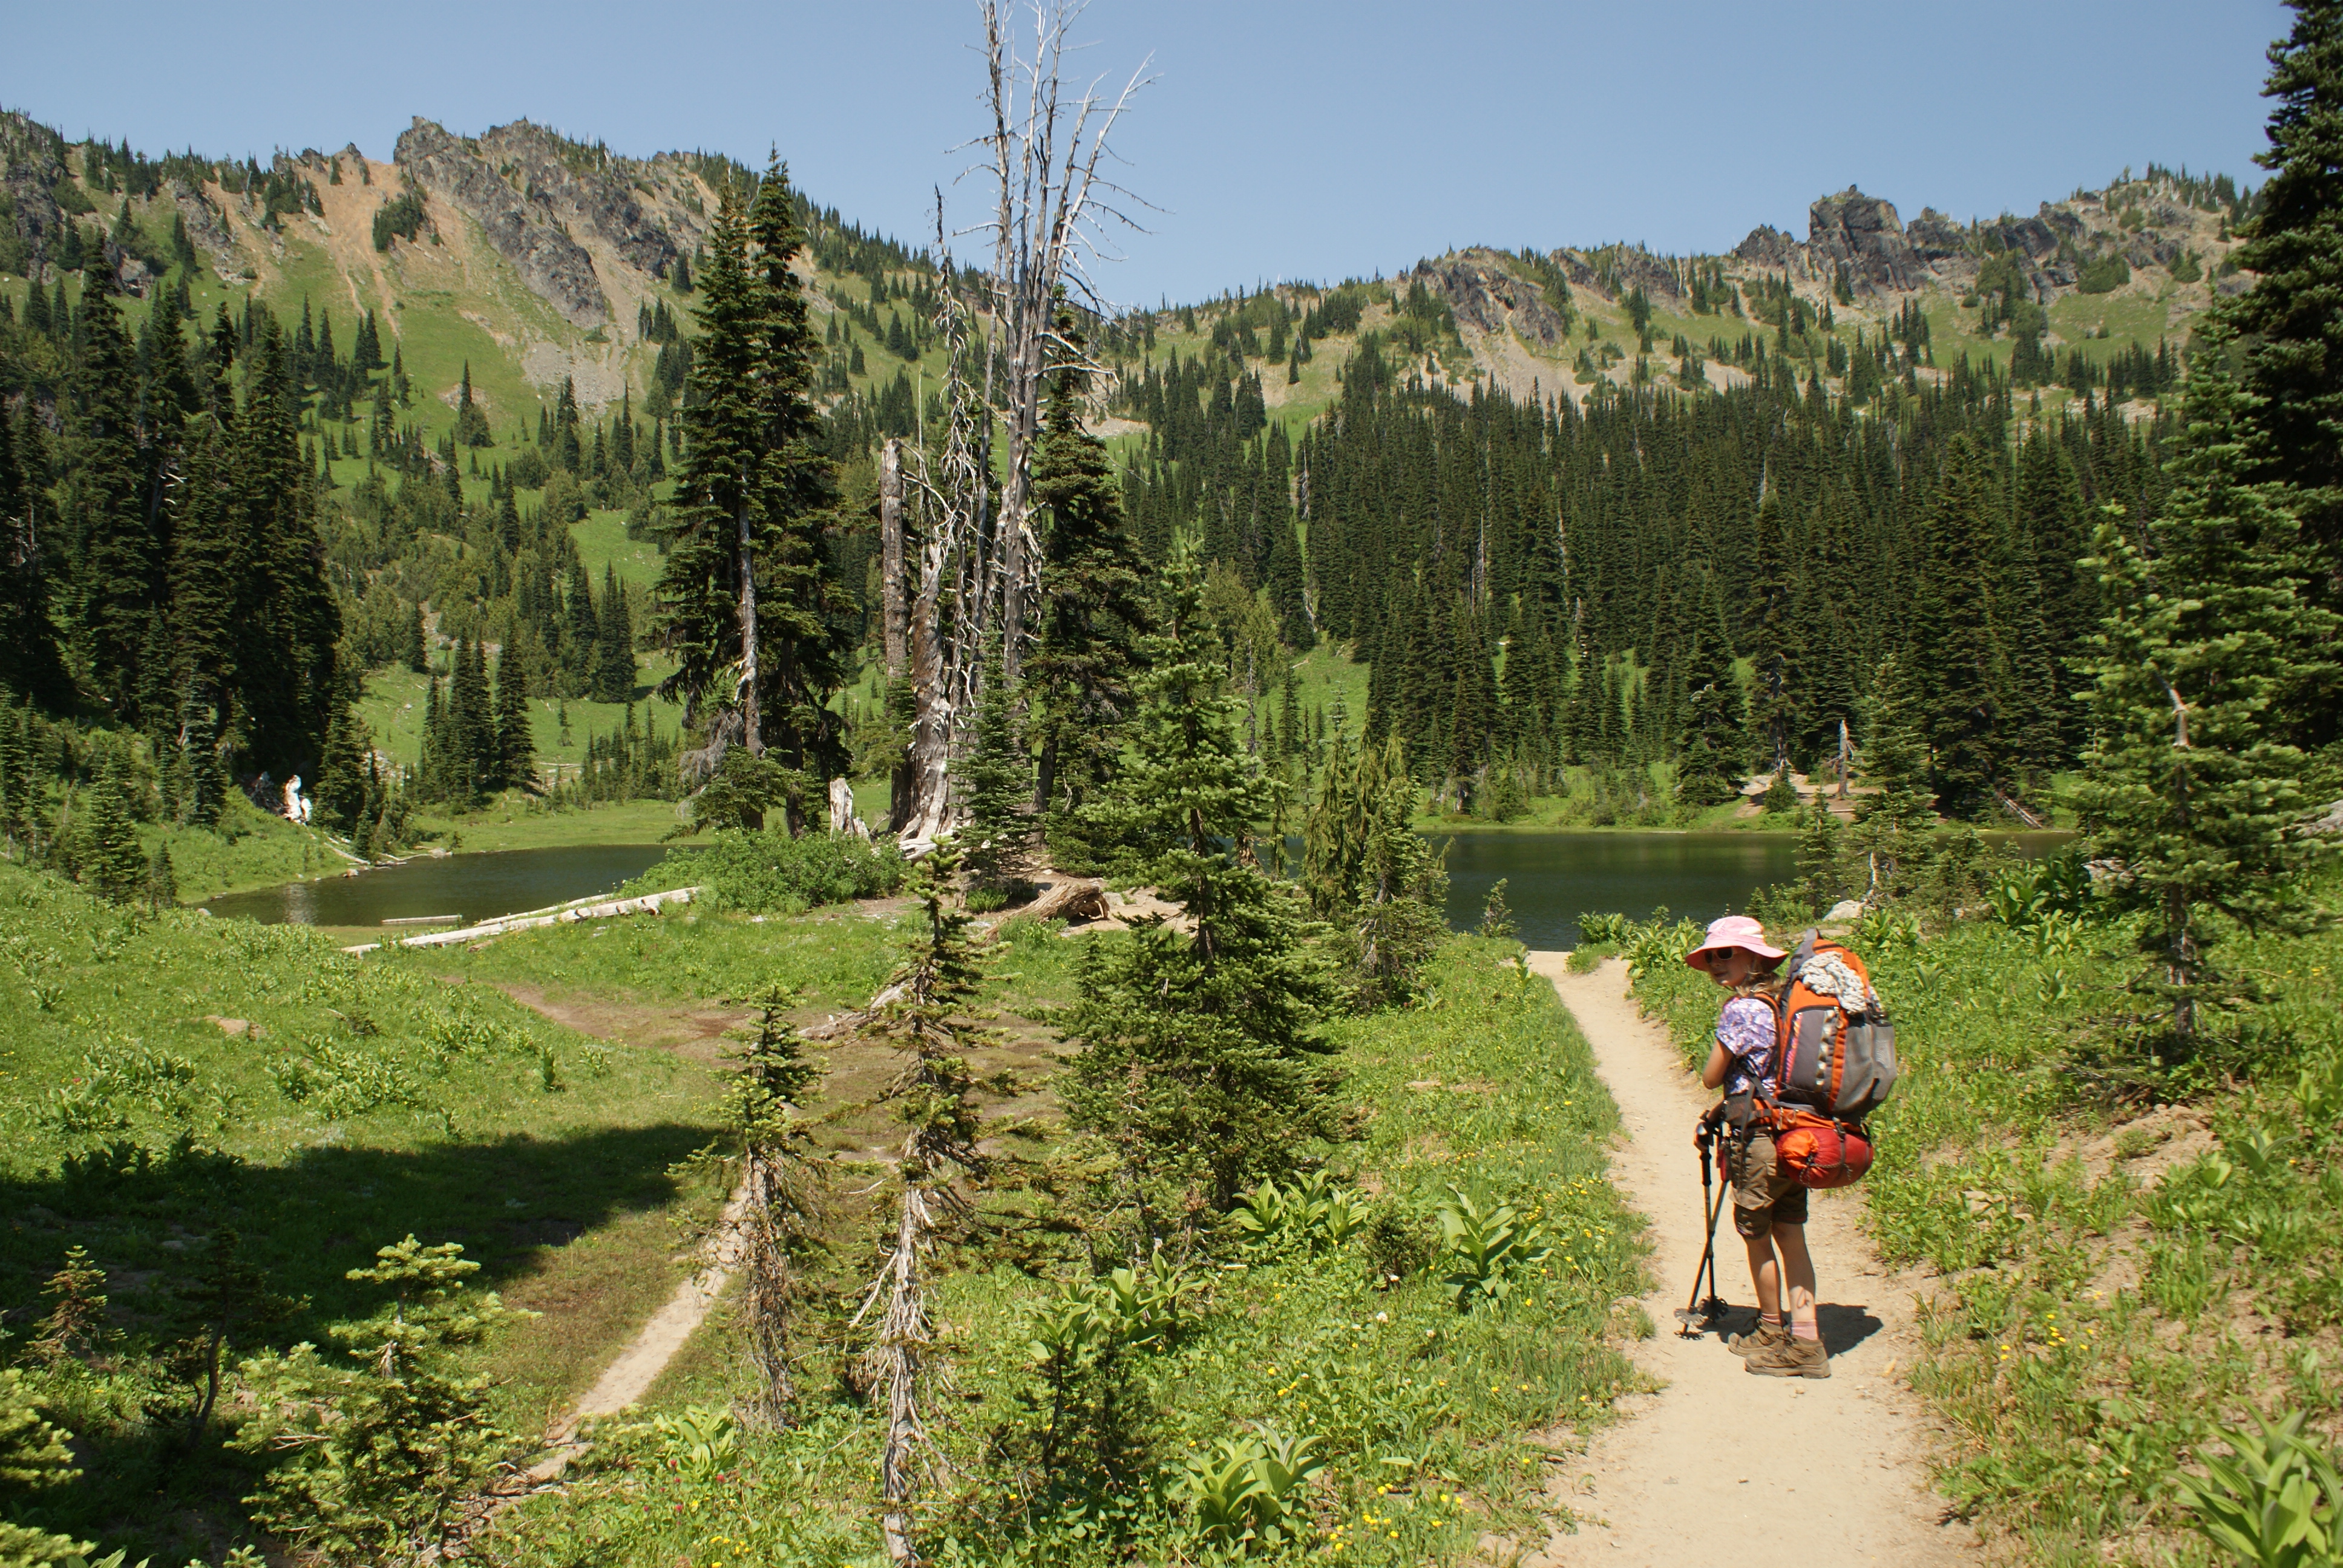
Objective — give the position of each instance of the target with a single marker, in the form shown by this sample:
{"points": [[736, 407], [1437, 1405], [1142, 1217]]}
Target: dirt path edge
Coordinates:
{"points": [[1721, 1466]]}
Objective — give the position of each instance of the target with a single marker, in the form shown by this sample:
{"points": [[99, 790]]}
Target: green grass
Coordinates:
{"points": [[249, 849], [393, 706], [1420, 1409], [602, 542], [136, 1126], [2113, 1283], [511, 822]]}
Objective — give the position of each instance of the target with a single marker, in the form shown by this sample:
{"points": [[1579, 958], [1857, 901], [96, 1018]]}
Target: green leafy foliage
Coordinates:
{"points": [[772, 873], [1248, 1491], [1313, 1211], [1484, 1244], [2274, 1501]]}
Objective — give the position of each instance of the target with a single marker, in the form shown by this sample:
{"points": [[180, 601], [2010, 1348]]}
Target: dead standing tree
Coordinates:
{"points": [[979, 565], [949, 606], [1043, 156]]}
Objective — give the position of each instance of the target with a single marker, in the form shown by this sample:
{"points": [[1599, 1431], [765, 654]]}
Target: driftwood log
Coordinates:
{"points": [[1081, 900]]}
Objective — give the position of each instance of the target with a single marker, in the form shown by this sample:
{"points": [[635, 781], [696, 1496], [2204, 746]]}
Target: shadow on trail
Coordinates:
{"points": [[1843, 1327]]}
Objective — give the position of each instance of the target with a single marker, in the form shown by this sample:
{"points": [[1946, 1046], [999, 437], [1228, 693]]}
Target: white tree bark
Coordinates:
{"points": [[1042, 155]]}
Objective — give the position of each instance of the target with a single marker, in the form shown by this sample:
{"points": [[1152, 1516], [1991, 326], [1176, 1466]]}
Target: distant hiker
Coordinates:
{"points": [[1769, 1208]]}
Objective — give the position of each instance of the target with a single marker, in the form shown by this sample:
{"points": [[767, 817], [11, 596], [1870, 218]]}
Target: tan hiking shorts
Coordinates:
{"points": [[1761, 1199]]}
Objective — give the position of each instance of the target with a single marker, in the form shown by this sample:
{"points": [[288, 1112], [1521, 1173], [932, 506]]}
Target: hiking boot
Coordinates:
{"points": [[1789, 1357], [1760, 1333]]}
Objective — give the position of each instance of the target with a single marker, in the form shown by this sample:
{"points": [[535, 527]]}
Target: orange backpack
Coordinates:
{"points": [[1833, 1065]]}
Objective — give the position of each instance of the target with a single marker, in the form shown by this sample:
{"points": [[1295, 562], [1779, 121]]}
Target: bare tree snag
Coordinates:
{"points": [[894, 599], [1042, 155]]}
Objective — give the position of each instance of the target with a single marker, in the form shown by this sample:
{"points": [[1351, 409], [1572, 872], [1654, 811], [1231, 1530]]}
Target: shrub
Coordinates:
{"points": [[2104, 275], [771, 873], [401, 216]]}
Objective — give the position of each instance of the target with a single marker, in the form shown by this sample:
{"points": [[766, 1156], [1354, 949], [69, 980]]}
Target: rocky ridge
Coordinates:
{"points": [[533, 192]]}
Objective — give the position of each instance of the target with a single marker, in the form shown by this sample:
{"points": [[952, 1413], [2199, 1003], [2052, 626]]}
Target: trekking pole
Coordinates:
{"points": [[1696, 1314]]}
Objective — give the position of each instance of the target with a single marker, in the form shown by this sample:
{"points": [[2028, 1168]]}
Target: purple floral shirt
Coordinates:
{"points": [[1745, 1030]]}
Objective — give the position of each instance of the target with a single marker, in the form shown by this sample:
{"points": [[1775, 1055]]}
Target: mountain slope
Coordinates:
{"points": [[534, 258]]}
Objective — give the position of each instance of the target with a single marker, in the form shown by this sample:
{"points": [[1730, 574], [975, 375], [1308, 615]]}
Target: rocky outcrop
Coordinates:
{"points": [[1862, 235], [1485, 293], [1936, 238], [31, 162], [521, 223], [551, 206], [205, 228], [1769, 248], [584, 189]]}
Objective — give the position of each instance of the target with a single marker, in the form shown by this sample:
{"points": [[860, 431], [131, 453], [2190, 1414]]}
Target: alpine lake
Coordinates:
{"points": [[1551, 879]]}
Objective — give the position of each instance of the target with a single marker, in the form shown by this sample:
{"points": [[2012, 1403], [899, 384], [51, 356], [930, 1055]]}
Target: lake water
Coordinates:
{"points": [[477, 886], [1551, 879]]}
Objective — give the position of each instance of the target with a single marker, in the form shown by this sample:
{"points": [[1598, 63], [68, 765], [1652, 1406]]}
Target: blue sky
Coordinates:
{"points": [[1280, 140]]}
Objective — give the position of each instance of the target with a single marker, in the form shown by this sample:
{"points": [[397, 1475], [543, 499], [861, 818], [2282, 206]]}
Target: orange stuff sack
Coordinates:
{"points": [[1815, 1152]]}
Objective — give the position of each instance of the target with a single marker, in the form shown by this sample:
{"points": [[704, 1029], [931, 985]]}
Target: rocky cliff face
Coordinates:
{"points": [[1485, 293], [31, 162], [521, 223], [558, 211]]}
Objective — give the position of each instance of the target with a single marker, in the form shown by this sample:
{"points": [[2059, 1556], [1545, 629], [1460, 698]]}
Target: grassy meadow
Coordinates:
{"points": [[553, 1103]]}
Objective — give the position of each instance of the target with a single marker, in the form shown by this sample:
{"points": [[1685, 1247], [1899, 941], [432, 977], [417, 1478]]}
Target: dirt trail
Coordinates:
{"points": [[626, 1379], [1720, 1466]]}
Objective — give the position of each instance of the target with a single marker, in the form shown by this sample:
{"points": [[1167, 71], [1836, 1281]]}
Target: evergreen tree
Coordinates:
{"points": [[1092, 606], [748, 585], [1000, 790], [515, 747], [107, 858], [338, 794], [1197, 1053], [103, 503], [29, 661], [2284, 329], [614, 651], [471, 422], [1773, 712], [1821, 866], [2188, 786], [471, 725], [1368, 872], [936, 1097], [771, 1083], [381, 1448], [286, 620], [1953, 647], [1893, 820], [161, 890], [1711, 760], [581, 638]]}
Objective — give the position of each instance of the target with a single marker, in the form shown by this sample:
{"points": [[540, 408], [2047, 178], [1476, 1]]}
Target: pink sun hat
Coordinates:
{"points": [[1733, 931]]}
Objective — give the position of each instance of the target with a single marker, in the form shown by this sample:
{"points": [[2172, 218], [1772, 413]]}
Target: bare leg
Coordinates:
{"points": [[1768, 1275], [1797, 1271]]}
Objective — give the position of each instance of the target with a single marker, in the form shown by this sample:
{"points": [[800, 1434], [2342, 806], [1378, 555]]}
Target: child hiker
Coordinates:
{"points": [[1769, 1209]]}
